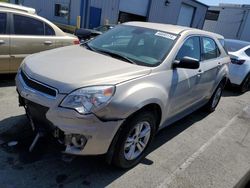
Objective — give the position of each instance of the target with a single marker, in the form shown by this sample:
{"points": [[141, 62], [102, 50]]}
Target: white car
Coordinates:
{"points": [[239, 68]]}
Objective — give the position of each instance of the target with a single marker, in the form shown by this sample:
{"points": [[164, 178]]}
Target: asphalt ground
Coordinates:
{"points": [[201, 150]]}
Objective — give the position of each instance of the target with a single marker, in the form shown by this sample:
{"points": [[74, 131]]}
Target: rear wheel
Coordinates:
{"points": [[136, 136], [245, 86], [215, 99]]}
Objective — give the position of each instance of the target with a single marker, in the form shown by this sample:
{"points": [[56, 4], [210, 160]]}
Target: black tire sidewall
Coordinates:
{"points": [[119, 158], [209, 106], [243, 90]]}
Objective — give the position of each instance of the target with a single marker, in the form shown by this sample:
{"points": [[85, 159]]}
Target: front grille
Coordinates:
{"points": [[38, 86], [38, 114]]}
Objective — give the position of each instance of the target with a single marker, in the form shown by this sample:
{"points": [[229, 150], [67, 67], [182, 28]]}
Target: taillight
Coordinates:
{"points": [[237, 61], [76, 42]]}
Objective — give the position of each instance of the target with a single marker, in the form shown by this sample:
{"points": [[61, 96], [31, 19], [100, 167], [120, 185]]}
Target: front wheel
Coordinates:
{"points": [[215, 99], [136, 136]]}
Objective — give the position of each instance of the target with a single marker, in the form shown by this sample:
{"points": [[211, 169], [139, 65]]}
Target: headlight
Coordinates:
{"points": [[89, 99]]}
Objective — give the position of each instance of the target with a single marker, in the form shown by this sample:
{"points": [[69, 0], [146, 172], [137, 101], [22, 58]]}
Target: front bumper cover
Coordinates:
{"points": [[99, 133]]}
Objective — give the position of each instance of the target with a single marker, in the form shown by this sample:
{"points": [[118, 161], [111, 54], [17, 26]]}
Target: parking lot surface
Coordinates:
{"points": [[201, 150]]}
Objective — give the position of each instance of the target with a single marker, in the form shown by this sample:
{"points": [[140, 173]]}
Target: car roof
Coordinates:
{"points": [[175, 29], [17, 8], [241, 42]]}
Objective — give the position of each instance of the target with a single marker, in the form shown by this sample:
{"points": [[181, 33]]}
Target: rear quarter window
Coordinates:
{"points": [[49, 30], [223, 44]]}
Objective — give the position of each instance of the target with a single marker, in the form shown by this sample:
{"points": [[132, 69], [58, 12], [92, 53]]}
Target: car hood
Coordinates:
{"points": [[72, 67]]}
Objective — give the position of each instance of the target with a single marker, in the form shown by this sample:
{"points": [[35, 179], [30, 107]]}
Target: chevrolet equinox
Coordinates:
{"points": [[112, 94]]}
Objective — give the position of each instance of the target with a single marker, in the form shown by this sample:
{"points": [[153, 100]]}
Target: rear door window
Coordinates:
{"points": [[190, 48], [210, 49], [27, 26], [3, 23]]}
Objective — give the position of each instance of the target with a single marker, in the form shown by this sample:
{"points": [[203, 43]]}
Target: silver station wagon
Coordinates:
{"points": [[112, 94]]}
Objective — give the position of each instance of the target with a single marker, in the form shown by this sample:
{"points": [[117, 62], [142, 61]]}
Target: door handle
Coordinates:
{"points": [[2, 42], [48, 42], [200, 72], [219, 65]]}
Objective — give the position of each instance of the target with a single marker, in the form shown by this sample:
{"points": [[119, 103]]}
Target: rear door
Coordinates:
{"points": [[4, 44], [209, 67], [28, 35]]}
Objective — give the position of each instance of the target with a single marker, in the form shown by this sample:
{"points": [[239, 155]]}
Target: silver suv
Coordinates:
{"points": [[112, 94]]}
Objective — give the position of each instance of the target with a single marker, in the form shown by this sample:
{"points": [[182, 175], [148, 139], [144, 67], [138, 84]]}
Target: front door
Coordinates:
{"points": [[4, 45], [28, 36], [185, 81]]}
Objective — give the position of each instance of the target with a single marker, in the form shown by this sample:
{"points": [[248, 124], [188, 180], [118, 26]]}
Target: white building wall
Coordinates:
{"points": [[245, 35], [233, 22], [46, 8], [157, 12], [110, 10], [169, 14]]}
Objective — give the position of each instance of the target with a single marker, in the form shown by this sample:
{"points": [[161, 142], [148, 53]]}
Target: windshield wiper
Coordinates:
{"points": [[119, 56], [89, 47], [112, 54]]}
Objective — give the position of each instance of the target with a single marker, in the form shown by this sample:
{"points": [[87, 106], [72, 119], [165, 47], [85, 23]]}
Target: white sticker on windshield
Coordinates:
{"points": [[165, 35]]}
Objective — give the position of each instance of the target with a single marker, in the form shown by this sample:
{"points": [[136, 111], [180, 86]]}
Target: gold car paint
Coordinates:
{"points": [[4, 54], [21, 46], [17, 47]]}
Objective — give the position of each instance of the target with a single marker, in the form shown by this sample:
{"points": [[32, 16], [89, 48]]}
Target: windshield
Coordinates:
{"points": [[235, 45], [142, 46]]}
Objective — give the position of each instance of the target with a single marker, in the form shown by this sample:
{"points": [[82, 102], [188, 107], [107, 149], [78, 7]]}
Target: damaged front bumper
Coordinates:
{"points": [[81, 134]]}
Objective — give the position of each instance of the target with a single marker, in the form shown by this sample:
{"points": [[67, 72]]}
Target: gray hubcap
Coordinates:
{"points": [[217, 97], [137, 140]]}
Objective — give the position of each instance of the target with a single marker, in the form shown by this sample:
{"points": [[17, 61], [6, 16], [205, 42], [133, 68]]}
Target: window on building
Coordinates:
{"points": [[212, 15], [210, 49], [248, 52], [49, 30], [191, 48], [27, 26], [62, 10], [3, 21]]}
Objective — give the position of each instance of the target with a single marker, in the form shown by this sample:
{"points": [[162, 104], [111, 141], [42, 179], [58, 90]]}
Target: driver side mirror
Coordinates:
{"points": [[187, 63]]}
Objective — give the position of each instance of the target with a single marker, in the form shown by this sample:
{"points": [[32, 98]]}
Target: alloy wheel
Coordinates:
{"points": [[137, 140]]}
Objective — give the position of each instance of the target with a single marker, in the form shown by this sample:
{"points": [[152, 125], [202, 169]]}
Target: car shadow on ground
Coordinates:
{"points": [[232, 91], [7, 80], [81, 171]]}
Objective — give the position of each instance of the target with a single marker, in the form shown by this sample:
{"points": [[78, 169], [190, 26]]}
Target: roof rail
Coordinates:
{"points": [[18, 7]]}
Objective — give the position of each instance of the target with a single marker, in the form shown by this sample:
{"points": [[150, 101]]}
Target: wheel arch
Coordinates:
{"points": [[153, 107]]}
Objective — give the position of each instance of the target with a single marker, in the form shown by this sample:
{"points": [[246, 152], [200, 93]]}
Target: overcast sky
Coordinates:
{"points": [[216, 2]]}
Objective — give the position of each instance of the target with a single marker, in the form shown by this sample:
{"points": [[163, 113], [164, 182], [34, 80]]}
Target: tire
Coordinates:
{"points": [[129, 140], [245, 86], [215, 99]]}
